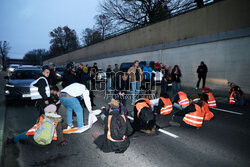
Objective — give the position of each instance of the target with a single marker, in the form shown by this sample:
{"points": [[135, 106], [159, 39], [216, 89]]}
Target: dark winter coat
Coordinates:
{"points": [[202, 71]]}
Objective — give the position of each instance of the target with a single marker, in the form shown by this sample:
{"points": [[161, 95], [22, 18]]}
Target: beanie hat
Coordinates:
{"points": [[157, 65], [206, 89], [50, 108], [85, 69]]}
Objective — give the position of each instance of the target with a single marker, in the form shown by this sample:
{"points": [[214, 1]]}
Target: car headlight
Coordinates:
{"points": [[7, 92], [8, 85], [11, 69], [58, 75]]}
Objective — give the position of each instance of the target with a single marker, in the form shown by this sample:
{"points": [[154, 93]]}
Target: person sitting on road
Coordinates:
{"points": [[40, 133], [106, 111], [237, 97], [208, 114], [180, 100], [164, 105], [116, 131], [210, 98], [144, 119], [40, 91], [69, 98], [193, 114]]}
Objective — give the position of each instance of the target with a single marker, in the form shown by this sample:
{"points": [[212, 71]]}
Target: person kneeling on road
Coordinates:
{"points": [[117, 128], [237, 97], [144, 118], [209, 98], [69, 98], [180, 100], [193, 114], [47, 128]]}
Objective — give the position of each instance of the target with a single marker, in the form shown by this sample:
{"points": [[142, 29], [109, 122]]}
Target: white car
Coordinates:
{"points": [[101, 75]]}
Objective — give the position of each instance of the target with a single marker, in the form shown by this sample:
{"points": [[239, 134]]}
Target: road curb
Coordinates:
{"points": [[2, 117]]}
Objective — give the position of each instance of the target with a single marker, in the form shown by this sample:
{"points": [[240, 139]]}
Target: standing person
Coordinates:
{"points": [[40, 91], [176, 81], [116, 131], [202, 74], [166, 78], [136, 77], [157, 80], [147, 72], [109, 78], [116, 69], [79, 72], [69, 75], [52, 75], [122, 86], [69, 98]]}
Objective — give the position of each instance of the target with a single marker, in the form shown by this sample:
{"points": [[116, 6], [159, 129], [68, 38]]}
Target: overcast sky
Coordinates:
{"points": [[26, 24]]}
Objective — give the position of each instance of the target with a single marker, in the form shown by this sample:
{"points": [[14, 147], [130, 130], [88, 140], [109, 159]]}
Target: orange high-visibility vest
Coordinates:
{"points": [[208, 113], [141, 105], [148, 101], [32, 131], [195, 118], [183, 100], [109, 131], [168, 108], [211, 101], [231, 98]]}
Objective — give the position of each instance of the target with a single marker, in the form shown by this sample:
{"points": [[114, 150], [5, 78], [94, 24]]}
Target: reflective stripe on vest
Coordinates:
{"points": [[195, 118], [211, 101], [109, 131], [231, 99], [139, 106], [32, 131], [148, 101], [167, 109], [183, 101], [34, 93], [208, 113]]}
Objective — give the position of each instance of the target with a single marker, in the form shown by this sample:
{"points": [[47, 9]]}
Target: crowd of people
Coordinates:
{"points": [[78, 85]]}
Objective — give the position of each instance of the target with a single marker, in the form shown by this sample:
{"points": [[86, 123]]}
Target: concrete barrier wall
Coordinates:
{"points": [[219, 17], [227, 60]]}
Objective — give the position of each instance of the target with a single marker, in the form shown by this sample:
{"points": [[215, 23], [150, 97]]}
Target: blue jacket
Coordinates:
{"points": [[147, 71]]}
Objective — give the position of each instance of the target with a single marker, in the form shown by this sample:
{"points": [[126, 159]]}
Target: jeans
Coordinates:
{"points": [[22, 136], [108, 84], [176, 105], [165, 86], [72, 103], [176, 87], [135, 89]]}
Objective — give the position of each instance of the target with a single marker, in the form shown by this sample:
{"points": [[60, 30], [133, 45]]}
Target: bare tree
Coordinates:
{"points": [[140, 12], [91, 36], [104, 24], [35, 57], [63, 40], [4, 50]]}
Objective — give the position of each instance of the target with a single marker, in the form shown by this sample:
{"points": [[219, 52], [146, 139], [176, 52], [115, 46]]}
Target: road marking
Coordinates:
{"points": [[228, 111], [160, 130]]}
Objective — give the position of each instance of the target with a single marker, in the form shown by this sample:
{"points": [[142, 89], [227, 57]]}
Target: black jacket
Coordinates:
{"points": [[176, 77], [41, 84], [121, 85], [188, 109], [68, 78], [202, 71], [52, 77], [109, 146]]}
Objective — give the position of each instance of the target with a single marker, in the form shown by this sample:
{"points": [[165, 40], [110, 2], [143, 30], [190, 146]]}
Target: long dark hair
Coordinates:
{"points": [[178, 69]]}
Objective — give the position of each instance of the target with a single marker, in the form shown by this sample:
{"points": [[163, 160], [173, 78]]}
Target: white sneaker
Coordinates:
{"points": [[69, 129], [82, 129]]}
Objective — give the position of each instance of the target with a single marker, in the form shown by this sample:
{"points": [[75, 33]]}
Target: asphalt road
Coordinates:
{"points": [[223, 141]]}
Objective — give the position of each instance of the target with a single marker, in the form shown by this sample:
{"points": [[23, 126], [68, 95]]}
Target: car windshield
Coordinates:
{"points": [[59, 69], [25, 74]]}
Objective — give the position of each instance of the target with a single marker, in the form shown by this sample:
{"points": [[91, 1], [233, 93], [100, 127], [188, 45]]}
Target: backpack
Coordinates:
{"points": [[146, 115], [45, 132], [118, 127]]}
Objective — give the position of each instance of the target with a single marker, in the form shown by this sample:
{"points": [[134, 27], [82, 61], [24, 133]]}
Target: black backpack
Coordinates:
{"points": [[146, 114], [118, 127]]}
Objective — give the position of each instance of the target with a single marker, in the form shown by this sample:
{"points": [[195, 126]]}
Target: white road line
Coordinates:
{"points": [[228, 111], [160, 130]]}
